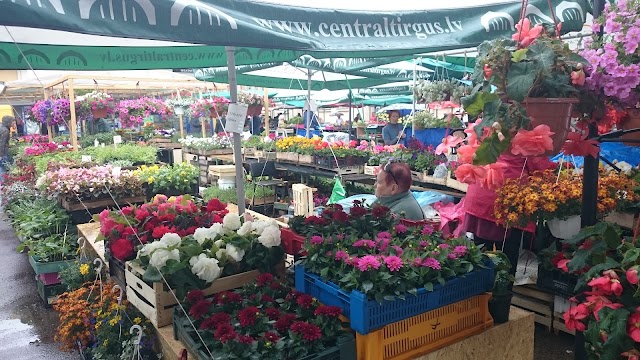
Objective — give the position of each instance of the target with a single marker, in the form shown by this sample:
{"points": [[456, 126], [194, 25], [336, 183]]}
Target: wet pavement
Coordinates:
{"points": [[26, 326], [549, 346]]}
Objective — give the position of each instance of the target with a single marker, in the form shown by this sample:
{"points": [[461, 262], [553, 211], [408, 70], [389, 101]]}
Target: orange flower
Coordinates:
{"points": [[471, 174], [466, 152], [532, 143]]}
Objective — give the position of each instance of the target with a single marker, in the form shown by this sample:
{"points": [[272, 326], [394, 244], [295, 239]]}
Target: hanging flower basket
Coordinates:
{"points": [[554, 112], [565, 229], [632, 122], [99, 113], [178, 110]]}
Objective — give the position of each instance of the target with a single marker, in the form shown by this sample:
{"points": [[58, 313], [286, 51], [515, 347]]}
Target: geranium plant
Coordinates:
{"points": [[39, 148], [264, 320]]}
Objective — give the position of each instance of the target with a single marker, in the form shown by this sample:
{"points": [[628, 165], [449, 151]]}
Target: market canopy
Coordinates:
{"points": [[254, 28]]}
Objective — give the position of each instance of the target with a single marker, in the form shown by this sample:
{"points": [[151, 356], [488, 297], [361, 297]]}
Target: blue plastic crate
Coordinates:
{"points": [[367, 315]]}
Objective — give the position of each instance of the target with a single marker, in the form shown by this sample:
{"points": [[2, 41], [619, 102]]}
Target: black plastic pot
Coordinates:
{"points": [[499, 308]]}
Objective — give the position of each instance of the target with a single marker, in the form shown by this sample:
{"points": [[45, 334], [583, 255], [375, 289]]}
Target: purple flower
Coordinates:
{"points": [[384, 235], [341, 255], [401, 229], [452, 256], [431, 263], [340, 237], [317, 240], [367, 262], [394, 263], [460, 250], [365, 243], [398, 249], [424, 244], [427, 230], [443, 246], [383, 244]]}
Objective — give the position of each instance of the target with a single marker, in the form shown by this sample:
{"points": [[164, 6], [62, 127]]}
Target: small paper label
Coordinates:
{"points": [[86, 158], [236, 118], [116, 170], [117, 139]]}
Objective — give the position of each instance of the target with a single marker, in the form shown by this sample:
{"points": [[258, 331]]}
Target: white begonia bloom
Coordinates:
{"points": [[245, 229], [216, 229], [270, 236], [231, 222], [160, 257], [170, 239], [259, 226], [235, 253], [148, 248], [221, 254], [202, 234], [205, 268]]}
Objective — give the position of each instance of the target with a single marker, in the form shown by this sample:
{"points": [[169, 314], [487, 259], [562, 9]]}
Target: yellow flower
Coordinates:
{"points": [[84, 269], [137, 321], [150, 179], [114, 321], [105, 343]]}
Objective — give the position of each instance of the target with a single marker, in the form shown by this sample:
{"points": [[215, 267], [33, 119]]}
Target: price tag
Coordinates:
{"points": [[236, 117], [116, 171], [86, 158], [117, 139], [452, 157]]}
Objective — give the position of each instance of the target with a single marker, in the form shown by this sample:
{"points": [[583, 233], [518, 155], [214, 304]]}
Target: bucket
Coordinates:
{"points": [[565, 229], [226, 183]]}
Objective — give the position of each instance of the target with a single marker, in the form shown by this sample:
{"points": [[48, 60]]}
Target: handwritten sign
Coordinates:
{"points": [[117, 139], [236, 117], [86, 158]]}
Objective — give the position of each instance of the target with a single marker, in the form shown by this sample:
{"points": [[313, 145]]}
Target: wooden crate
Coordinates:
{"points": [[349, 170], [156, 302], [306, 159], [530, 298], [266, 155], [455, 184], [303, 200], [99, 203], [159, 140], [558, 324], [626, 220], [249, 152]]}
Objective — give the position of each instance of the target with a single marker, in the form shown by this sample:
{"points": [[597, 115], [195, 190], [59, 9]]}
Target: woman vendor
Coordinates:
{"points": [[393, 185], [393, 132]]}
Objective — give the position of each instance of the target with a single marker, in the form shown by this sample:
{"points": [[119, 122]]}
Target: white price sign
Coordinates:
{"points": [[86, 158], [117, 139], [116, 171], [236, 117]]}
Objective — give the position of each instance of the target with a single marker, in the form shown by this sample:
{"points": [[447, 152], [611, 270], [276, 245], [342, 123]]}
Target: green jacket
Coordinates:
{"points": [[403, 203]]}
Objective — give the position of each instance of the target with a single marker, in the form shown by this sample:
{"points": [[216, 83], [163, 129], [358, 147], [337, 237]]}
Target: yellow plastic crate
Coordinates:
{"points": [[427, 332]]}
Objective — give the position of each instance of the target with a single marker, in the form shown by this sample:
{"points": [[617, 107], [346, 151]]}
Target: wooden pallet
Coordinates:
{"points": [[345, 170], [558, 324], [536, 301]]}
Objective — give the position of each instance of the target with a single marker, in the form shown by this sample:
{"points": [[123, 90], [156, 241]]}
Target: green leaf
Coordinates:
{"points": [[630, 257], [367, 286], [611, 237], [519, 55], [579, 260], [152, 274], [520, 80], [324, 273], [413, 291], [543, 56], [490, 149], [428, 286], [474, 104]]}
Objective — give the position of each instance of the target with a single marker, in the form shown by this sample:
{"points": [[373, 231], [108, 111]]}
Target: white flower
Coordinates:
{"points": [[216, 229], [160, 257], [221, 254], [205, 268], [203, 234], [219, 243], [258, 226], [235, 253], [270, 236], [245, 229], [231, 221], [170, 239], [148, 248]]}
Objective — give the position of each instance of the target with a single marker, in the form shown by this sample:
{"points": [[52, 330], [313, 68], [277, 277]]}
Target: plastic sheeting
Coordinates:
{"points": [[610, 151], [425, 199]]}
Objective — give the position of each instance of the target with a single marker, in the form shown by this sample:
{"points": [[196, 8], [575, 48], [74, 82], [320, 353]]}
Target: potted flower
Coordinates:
{"points": [[214, 107], [500, 303], [214, 145], [179, 104], [170, 180], [427, 91], [613, 60], [254, 101], [133, 112], [535, 88], [97, 103]]}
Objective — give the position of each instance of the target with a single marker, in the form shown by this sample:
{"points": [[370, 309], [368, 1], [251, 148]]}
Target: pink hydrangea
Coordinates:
{"points": [[393, 263]]}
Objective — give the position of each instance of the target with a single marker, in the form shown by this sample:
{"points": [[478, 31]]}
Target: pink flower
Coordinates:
{"points": [[368, 262], [365, 243], [431, 263], [495, 175], [460, 250], [470, 174], [472, 137], [384, 235], [466, 152], [573, 317], [317, 240], [532, 143], [341, 255], [578, 77], [394, 263], [562, 265], [598, 302], [447, 143], [525, 34], [401, 229], [632, 275], [633, 326], [427, 230]]}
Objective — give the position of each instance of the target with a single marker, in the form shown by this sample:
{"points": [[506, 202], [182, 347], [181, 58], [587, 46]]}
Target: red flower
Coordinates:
{"points": [[310, 220], [633, 326], [305, 301], [224, 332], [264, 279], [332, 311], [271, 336], [272, 313], [631, 354], [126, 211], [340, 216], [122, 249], [598, 302], [199, 309], [632, 275], [379, 211], [282, 324], [573, 317], [358, 211], [229, 297], [577, 144], [215, 320], [562, 265], [309, 332], [245, 339], [215, 205], [142, 214], [194, 296], [170, 218], [159, 231], [248, 316], [266, 298]]}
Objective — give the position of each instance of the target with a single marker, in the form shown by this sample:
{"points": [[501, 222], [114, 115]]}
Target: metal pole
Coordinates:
{"points": [[237, 146], [308, 115], [413, 113], [350, 114], [73, 135]]}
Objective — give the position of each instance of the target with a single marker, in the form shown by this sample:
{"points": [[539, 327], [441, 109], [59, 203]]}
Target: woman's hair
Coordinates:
{"points": [[393, 111], [401, 173], [7, 120]]}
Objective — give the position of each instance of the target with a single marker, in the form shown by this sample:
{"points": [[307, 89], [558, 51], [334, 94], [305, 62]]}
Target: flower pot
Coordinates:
{"points": [[565, 229], [99, 113], [178, 110], [554, 112], [499, 307], [632, 122]]}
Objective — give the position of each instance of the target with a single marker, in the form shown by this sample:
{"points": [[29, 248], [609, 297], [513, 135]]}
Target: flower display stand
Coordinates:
{"points": [[306, 159], [367, 315], [426, 332], [290, 157], [71, 205], [156, 302], [201, 152], [345, 349], [249, 152], [159, 140], [424, 177], [259, 201]]}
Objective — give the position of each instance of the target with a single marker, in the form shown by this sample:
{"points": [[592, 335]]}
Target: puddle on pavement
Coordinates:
{"points": [[15, 334]]}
